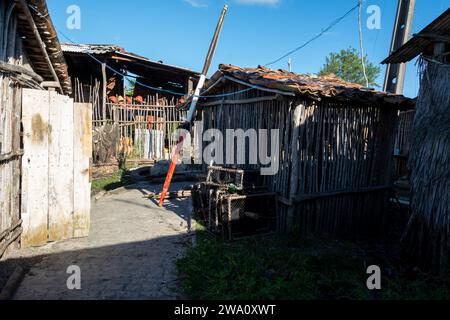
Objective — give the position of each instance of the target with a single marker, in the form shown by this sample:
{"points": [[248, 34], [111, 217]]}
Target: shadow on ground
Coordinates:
{"points": [[131, 252], [139, 270]]}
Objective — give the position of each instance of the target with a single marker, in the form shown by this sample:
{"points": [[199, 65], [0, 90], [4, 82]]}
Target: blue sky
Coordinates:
{"points": [[255, 32]]}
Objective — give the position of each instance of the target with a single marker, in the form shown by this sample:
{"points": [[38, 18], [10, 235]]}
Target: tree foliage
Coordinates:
{"points": [[130, 86], [347, 65]]}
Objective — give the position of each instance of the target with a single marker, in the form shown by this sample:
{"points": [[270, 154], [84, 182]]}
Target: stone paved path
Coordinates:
{"points": [[130, 253]]}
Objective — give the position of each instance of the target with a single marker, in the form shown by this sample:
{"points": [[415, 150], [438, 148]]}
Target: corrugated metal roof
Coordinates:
{"points": [[422, 41], [90, 48], [325, 86], [107, 49]]}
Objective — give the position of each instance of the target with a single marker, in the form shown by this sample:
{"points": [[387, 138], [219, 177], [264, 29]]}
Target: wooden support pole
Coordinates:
{"points": [[294, 178], [104, 91]]}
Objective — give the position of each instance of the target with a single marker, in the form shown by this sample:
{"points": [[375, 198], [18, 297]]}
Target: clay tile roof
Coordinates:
{"points": [[311, 85]]}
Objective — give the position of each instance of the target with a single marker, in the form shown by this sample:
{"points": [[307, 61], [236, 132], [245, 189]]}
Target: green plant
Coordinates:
{"points": [[347, 65], [292, 268], [113, 181]]}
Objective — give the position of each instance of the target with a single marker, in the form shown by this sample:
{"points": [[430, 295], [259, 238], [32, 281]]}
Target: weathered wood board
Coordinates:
{"points": [[61, 153], [56, 184], [82, 143], [35, 121]]}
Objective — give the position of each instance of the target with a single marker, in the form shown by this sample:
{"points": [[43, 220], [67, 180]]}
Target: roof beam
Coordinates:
{"points": [[29, 18], [284, 93], [434, 37]]}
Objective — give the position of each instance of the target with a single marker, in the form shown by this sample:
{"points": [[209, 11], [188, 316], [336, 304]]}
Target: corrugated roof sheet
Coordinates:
{"points": [[107, 49], [423, 40], [325, 86], [90, 48]]}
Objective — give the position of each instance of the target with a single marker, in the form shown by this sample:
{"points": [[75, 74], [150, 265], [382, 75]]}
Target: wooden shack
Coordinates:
{"points": [[131, 120], [335, 144], [30, 57], [44, 165], [427, 238]]}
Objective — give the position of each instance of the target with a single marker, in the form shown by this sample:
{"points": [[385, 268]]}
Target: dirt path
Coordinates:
{"points": [[129, 255]]}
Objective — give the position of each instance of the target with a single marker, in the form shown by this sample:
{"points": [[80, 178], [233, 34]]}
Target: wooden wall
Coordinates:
{"points": [[427, 238], [335, 158], [40, 151], [10, 139]]}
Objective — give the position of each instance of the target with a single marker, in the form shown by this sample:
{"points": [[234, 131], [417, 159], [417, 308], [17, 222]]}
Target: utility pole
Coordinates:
{"points": [[395, 73], [192, 108]]}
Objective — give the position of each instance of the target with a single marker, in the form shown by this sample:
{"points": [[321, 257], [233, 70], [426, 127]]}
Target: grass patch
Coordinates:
{"points": [[292, 269], [118, 179]]}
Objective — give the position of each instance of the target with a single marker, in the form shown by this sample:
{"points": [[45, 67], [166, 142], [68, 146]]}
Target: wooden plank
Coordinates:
{"points": [[16, 164], [241, 101], [82, 146], [19, 69], [104, 97], [5, 147], [11, 156], [315, 196], [61, 184], [35, 117]]}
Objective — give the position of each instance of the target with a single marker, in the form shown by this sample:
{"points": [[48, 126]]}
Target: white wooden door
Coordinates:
{"points": [[61, 177], [35, 122], [82, 144], [56, 184]]}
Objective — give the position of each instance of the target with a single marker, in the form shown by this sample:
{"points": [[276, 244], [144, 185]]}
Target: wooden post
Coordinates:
{"points": [[16, 138], [295, 162], [439, 49], [104, 91]]}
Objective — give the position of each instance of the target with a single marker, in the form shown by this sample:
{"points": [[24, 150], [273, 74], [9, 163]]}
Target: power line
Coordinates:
{"points": [[133, 77], [334, 23], [383, 5], [361, 45]]}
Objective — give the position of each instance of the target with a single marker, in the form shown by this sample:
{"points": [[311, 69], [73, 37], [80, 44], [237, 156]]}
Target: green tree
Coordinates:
{"points": [[347, 65], [130, 86]]}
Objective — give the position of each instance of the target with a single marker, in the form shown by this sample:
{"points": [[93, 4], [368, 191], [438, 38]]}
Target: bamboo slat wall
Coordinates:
{"points": [[427, 238], [335, 159], [403, 142], [120, 128], [160, 116], [10, 133]]}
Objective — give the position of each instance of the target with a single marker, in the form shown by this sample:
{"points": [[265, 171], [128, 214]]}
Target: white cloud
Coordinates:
{"points": [[260, 2], [205, 3], [196, 3]]}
